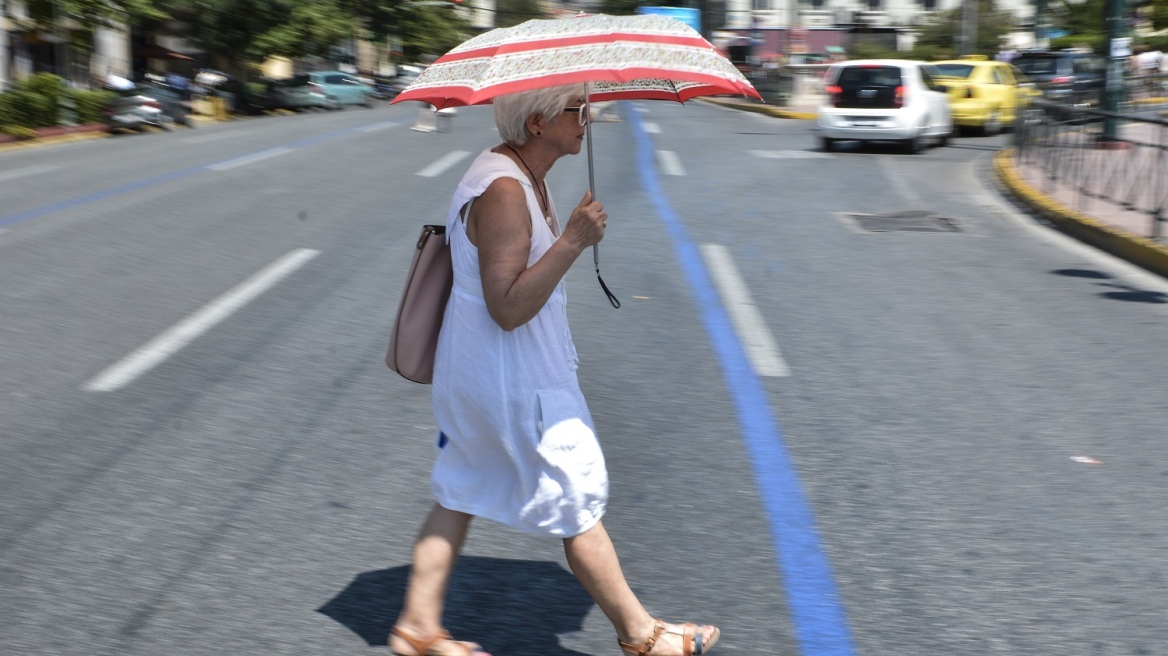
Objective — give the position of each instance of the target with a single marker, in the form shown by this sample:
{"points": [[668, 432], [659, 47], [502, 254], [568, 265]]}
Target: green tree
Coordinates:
{"points": [[941, 35], [242, 32], [424, 27], [90, 13], [509, 13], [621, 7], [1080, 18], [1159, 14]]}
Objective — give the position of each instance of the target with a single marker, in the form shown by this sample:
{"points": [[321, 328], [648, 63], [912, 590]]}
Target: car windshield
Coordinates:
{"points": [[1037, 65], [956, 70]]}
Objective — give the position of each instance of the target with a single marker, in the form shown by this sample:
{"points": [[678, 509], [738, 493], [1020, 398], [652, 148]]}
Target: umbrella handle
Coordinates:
{"points": [[592, 187]]}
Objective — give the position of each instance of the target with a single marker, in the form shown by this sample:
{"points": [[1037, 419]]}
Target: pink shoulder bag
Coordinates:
{"points": [[423, 304]]}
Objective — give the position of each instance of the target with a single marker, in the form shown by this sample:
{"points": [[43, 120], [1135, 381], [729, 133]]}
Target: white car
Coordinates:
{"points": [[885, 100]]}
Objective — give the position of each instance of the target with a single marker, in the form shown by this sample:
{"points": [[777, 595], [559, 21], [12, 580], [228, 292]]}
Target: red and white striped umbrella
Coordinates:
{"points": [[644, 57], [650, 57]]}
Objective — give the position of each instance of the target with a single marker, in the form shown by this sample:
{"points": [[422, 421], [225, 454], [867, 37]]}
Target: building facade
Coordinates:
{"points": [[745, 14]]}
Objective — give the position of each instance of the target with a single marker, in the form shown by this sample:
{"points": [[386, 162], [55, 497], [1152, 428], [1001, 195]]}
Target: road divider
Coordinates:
{"points": [[817, 612], [186, 331]]}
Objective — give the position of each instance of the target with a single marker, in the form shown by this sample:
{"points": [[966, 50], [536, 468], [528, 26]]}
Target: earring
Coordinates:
{"points": [[539, 133]]}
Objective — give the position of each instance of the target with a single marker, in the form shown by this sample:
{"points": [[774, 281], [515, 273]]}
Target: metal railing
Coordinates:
{"points": [[1126, 166]]}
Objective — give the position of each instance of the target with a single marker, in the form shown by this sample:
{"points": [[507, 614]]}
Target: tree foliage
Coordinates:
{"points": [[241, 31], [1159, 14], [620, 7], [90, 13], [942, 34], [1080, 18], [509, 13]]}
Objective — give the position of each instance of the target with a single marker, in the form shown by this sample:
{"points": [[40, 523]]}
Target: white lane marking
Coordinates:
{"points": [[650, 127], [205, 138], [641, 108], [25, 172], [379, 126], [184, 332], [446, 161], [247, 159], [670, 163], [760, 347], [789, 154]]}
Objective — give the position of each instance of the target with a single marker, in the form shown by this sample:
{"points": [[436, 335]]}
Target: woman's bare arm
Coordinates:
{"points": [[500, 226]]}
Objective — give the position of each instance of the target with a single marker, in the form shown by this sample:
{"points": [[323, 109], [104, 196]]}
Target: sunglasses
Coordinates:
{"points": [[581, 111]]}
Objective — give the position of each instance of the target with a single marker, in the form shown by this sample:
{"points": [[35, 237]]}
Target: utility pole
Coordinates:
{"points": [[1040, 24], [1119, 45], [968, 36], [3, 46]]}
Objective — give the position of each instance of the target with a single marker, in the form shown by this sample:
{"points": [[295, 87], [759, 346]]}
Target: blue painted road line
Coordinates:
{"points": [[817, 615], [85, 199]]}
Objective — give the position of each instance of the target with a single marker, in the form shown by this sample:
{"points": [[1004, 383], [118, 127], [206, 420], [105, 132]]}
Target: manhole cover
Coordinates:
{"points": [[907, 221]]}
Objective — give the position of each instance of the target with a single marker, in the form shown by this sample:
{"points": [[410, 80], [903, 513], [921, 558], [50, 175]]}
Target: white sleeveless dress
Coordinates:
{"points": [[517, 442]]}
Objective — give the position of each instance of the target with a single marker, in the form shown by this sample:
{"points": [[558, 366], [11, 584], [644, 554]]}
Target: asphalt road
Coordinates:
{"points": [[827, 440]]}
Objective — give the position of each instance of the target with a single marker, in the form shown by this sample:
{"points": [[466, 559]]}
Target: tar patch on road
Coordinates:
{"points": [[906, 221]]}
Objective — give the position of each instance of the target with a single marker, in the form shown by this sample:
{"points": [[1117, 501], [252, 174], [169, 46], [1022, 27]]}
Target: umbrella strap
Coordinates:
{"points": [[592, 187], [596, 260]]}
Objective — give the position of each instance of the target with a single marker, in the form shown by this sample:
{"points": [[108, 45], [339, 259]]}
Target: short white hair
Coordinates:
{"points": [[512, 110]]}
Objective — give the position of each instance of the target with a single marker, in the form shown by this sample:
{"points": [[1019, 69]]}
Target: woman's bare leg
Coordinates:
{"points": [[593, 560], [435, 551]]}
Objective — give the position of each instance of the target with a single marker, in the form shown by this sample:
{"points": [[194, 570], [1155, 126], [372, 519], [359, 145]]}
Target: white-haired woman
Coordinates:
{"points": [[517, 443]]}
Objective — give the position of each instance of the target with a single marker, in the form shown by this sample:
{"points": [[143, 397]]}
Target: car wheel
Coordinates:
{"points": [[914, 145], [993, 124], [826, 144], [943, 140]]}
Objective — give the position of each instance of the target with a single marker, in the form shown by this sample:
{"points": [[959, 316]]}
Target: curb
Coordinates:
{"points": [[762, 109], [47, 141], [1138, 250]]}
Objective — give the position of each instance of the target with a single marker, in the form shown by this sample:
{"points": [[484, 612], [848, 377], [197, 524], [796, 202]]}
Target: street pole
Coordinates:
{"points": [[1040, 24], [3, 46], [1119, 49], [968, 28]]}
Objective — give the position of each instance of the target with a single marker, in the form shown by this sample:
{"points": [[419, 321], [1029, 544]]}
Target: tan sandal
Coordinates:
{"points": [[693, 641], [425, 646]]}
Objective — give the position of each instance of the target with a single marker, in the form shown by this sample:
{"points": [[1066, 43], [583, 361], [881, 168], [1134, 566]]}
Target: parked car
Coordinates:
{"points": [[405, 77], [294, 93], [341, 88], [1075, 78], [145, 105], [985, 95], [885, 100]]}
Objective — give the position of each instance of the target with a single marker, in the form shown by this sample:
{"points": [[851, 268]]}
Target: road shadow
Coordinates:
{"points": [[1121, 291], [1082, 273], [1134, 295], [512, 607]]}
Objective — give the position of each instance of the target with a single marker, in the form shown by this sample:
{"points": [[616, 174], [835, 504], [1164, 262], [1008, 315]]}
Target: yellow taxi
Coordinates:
{"points": [[984, 94]]}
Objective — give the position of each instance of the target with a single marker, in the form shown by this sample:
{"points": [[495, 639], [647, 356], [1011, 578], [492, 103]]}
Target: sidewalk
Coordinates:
{"points": [[88, 132], [1098, 223]]}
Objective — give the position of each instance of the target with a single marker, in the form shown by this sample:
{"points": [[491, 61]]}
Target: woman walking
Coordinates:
{"points": [[518, 445]]}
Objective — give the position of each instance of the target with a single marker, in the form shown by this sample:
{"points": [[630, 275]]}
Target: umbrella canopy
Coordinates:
{"points": [[649, 57]]}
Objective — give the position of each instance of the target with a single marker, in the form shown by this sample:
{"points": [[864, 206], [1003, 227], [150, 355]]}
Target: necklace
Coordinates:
{"points": [[547, 214]]}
